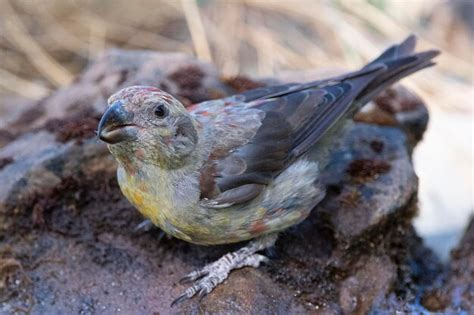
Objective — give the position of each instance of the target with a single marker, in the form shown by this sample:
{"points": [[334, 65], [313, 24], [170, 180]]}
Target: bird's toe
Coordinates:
{"points": [[194, 275]]}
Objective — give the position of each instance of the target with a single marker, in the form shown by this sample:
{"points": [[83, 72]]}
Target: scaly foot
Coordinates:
{"points": [[207, 278]]}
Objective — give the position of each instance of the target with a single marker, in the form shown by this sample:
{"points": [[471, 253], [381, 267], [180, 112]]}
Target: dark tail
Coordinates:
{"points": [[392, 65], [346, 94], [398, 62], [315, 107]]}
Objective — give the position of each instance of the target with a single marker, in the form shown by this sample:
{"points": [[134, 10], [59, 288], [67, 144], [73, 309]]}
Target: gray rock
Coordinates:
{"points": [[370, 282], [370, 177]]}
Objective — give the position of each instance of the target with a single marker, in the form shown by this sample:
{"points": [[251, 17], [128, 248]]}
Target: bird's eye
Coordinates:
{"points": [[161, 111]]}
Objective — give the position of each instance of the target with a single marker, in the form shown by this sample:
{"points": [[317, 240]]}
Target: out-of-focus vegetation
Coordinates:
{"points": [[44, 44]]}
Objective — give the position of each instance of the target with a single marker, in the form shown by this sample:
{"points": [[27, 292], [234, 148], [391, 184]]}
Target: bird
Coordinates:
{"points": [[241, 168]]}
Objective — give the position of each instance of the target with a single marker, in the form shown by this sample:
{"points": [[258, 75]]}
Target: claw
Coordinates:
{"points": [[202, 293], [161, 234], [147, 226], [209, 277], [189, 293], [186, 279], [143, 227], [201, 288], [192, 276], [179, 299]]}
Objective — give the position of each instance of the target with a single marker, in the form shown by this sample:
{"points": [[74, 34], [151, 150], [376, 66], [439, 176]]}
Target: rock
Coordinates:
{"points": [[398, 106], [455, 293], [37, 170], [11, 108], [370, 177], [177, 73], [249, 292], [67, 232], [370, 282]]}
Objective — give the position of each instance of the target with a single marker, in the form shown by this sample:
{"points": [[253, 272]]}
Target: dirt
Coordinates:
{"points": [[397, 106], [89, 226], [28, 117], [376, 116], [87, 259], [189, 81]]}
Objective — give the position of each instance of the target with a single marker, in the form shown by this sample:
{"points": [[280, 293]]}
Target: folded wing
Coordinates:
{"points": [[262, 131]]}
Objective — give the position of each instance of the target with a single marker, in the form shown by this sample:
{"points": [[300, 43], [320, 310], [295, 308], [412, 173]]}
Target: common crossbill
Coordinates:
{"points": [[240, 168]]}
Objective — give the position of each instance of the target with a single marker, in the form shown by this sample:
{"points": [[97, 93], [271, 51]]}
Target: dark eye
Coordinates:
{"points": [[161, 111]]}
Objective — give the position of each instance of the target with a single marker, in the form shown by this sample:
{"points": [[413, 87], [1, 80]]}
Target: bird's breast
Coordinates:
{"points": [[153, 198]]}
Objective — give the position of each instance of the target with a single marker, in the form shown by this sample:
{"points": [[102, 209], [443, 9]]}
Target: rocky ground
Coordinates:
{"points": [[68, 244]]}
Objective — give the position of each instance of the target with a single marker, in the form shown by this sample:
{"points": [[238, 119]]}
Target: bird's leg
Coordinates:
{"points": [[207, 278]]}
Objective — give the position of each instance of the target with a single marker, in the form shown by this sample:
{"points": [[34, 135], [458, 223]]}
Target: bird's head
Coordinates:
{"points": [[146, 124]]}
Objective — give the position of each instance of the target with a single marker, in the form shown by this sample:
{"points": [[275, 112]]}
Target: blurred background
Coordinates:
{"points": [[45, 44]]}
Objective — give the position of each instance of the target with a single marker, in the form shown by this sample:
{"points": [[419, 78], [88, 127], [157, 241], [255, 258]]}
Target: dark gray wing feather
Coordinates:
{"points": [[291, 120]]}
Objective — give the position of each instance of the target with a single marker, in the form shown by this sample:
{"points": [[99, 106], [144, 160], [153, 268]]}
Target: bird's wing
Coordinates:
{"points": [[258, 137], [262, 131]]}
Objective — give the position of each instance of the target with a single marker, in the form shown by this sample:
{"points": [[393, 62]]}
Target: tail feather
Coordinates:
{"points": [[405, 48], [400, 61], [315, 107]]}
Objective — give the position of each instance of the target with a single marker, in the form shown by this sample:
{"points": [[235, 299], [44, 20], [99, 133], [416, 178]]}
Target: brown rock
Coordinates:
{"points": [[248, 291], [398, 106], [372, 281], [456, 293]]}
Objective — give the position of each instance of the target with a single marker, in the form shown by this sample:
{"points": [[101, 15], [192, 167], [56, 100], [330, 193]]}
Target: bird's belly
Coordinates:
{"points": [[285, 202], [192, 224], [159, 210], [197, 225], [141, 199]]}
